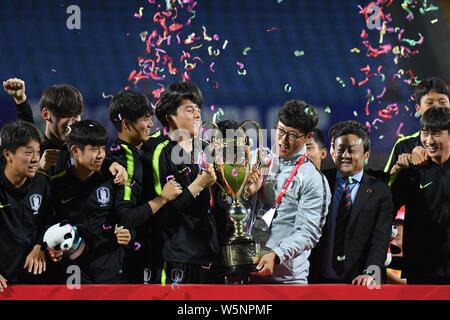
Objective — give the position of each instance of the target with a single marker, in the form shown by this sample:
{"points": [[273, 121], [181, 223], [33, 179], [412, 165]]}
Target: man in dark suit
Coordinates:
{"points": [[355, 236]]}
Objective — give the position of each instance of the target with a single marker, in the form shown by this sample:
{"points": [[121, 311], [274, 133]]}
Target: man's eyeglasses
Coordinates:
{"points": [[290, 135]]}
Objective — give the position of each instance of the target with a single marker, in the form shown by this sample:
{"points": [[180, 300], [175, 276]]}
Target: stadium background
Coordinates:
{"points": [[254, 56]]}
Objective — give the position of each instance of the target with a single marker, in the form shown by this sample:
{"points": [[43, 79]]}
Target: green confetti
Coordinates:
{"points": [[299, 53], [327, 109], [246, 50], [287, 87], [381, 137]]}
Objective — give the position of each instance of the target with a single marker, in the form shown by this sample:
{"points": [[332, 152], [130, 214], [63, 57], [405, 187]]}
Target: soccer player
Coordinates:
{"points": [[430, 92], [86, 197], [24, 199], [130, 112], [425, 191], [61, 105]]}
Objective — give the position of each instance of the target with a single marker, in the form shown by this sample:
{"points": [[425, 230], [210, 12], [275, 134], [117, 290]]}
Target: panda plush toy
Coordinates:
{"points": [[63, 236]]}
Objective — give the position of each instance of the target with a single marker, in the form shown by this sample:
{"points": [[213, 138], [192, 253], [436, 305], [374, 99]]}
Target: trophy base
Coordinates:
{"points": [[242, 256]]}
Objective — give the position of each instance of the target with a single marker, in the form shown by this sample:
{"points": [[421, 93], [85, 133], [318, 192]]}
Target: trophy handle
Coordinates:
{"points": [[259, 162]]}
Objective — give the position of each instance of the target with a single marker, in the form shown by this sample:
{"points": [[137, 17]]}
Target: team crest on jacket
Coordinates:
{"points": [[35, 202], [103, 195]]}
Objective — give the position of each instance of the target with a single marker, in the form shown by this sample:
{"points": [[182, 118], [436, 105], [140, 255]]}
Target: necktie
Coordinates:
{"points": [[345, 206]]}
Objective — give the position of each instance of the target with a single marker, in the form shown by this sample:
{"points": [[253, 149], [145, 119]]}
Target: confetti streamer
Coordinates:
{"points": [[246, 50], [382, 93], [341, 82], [399, 128], [273, 29], [287, 88]]}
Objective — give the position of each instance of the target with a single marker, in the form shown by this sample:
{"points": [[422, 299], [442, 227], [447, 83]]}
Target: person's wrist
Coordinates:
{"points": [[20, 100], [163, 199]]}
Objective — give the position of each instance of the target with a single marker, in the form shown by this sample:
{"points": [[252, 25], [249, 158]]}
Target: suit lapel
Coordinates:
{"points": [[330, 174], [362, 196]]}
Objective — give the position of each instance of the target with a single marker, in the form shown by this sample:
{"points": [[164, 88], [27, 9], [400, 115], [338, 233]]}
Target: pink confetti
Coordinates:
{"points": [[399, 128], [106, 227], [211, 66], [382, 93]]}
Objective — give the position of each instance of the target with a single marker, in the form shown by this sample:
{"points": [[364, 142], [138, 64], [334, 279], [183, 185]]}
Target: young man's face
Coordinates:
{"points": [[437, 144], [432, 98], [25, 161], [187, 117], [315, 152], [91, 157], [57, 124], [349, 154], [139, 131], [289, 140]]}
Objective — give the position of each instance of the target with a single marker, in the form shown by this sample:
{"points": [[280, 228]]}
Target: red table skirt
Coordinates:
{"points": [[226, 292]]}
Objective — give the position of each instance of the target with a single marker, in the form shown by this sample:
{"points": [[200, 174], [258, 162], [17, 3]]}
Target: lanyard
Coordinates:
{"points": [[289, 180]]}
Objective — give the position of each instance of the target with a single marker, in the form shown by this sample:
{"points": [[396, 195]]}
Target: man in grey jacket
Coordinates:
{"points": [[295, 199]]}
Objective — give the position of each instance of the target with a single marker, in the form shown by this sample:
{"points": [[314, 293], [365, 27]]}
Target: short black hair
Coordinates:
{"points": [[173, 97], [225, 125], [436, 119], [18, 134], [300, 115], [358, 131], [63, 100], [319, 138], [86, 132], [130, 105], [338, 126], [426, 85]]}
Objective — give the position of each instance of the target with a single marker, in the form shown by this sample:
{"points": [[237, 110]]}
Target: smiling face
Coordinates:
{"points": [[289, 140], [187, 117], [432, 98], [25, 161], [437, 144], [138, 131], [349, 154], [90, 158]]}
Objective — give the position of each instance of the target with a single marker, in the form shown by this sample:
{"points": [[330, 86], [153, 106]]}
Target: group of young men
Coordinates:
{"points": [[143, 217]]}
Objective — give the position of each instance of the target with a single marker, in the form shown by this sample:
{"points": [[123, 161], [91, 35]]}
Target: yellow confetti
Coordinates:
{"points": [[434, 21], [382, 32], [224, 44], [355, 50], [140, 11], [197, 47]]}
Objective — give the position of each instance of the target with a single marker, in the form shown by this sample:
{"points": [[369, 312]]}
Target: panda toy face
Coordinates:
{"points": [[59, 237]]}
